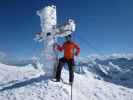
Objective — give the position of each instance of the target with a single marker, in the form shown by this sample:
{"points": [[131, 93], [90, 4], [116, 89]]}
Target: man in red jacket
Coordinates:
{"points": [[70, 49]]}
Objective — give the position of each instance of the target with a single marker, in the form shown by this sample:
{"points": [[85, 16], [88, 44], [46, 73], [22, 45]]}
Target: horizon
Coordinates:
{"points": [[103, 27]]}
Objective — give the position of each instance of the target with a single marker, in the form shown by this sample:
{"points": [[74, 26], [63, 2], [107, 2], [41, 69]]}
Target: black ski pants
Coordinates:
{"points": [[70, 63]]}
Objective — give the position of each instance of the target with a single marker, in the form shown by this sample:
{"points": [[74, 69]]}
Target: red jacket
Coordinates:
{"points": [[69, 49]]}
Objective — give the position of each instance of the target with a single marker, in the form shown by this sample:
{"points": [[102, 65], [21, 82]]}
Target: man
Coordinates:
{"points": [[70, 50]]}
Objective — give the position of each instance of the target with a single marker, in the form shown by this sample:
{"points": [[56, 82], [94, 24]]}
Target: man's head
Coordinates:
{"points": [[68, 38]]}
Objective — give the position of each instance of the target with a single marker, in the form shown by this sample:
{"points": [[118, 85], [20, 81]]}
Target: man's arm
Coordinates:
{"points": [[60, 47], [77, 49]]}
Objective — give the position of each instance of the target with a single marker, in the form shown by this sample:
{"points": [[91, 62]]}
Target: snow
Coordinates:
{"points": [[28, 83], [48, 20]]}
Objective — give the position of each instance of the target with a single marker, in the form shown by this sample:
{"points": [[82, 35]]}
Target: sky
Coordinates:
{"points": [[103, 26]]}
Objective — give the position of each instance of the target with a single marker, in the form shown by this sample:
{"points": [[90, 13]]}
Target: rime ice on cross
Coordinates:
{"points": [[50, 32]]}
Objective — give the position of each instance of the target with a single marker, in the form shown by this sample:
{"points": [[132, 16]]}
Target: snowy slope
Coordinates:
{"points": [[12, 74], [27, 83]]}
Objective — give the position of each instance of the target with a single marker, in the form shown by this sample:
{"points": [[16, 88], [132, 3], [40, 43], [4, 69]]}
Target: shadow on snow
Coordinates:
{"points": [[25, 83]]}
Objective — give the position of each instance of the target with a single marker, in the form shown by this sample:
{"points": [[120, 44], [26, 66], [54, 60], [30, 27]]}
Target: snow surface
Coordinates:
{"points": [[28, 83]]}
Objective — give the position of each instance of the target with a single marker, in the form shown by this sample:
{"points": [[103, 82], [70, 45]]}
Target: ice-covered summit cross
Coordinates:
{"points": [[50, 32]]}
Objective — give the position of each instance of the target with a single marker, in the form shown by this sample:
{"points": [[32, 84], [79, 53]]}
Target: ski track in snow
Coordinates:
{"points": [[30, 84]]}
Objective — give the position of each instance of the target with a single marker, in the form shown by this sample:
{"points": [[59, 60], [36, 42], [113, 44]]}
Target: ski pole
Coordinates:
{"points": [[71, 91]]}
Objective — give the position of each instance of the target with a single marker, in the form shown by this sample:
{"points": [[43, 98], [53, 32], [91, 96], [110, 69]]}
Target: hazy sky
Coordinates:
{"points": [[106, 24]]}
